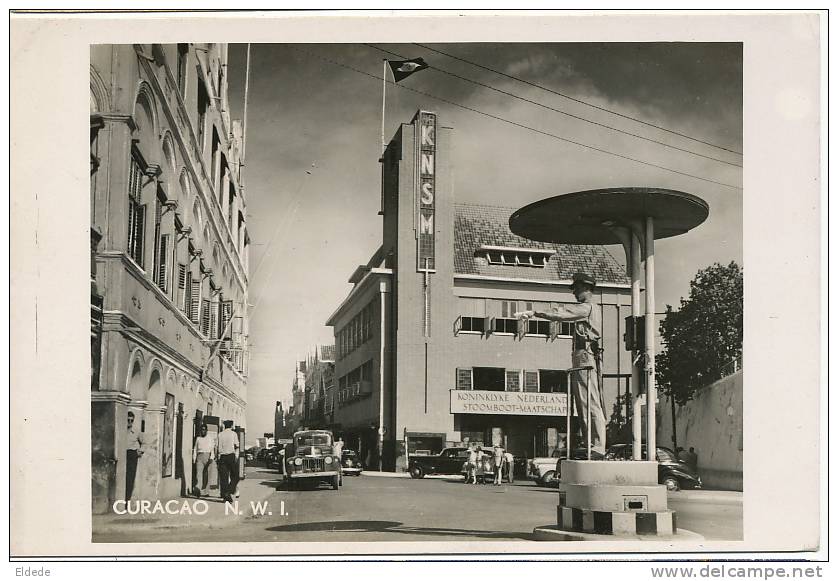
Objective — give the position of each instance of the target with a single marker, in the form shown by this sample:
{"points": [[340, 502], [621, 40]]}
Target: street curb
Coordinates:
{"points": [[721, 496], [554, 533]]}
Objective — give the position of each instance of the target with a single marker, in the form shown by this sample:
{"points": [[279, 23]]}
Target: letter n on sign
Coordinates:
{"points": [[426, 174]]}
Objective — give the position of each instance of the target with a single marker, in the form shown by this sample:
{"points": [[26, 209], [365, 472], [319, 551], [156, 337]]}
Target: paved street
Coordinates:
{"points": [[378, 508]]}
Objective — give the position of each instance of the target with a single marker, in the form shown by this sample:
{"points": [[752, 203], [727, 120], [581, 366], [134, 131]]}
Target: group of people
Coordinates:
{"points": [[502, 464], [223, 450], [688, 456]]}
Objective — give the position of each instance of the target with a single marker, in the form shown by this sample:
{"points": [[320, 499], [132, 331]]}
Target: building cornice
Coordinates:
{"points": [[374, 273]]}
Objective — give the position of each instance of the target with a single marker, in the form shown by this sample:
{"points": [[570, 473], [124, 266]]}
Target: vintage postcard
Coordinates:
{"points": [[416, 284]]}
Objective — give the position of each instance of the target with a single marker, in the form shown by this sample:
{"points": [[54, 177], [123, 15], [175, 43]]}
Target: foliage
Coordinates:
{"points": [[702, 337], [618, 428]]}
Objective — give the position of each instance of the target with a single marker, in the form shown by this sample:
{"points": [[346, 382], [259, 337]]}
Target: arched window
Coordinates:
{"points": [[196, 214], [185, 188], [169, 154]]}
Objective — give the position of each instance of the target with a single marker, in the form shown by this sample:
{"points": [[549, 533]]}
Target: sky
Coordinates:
{"points": [[312, 180]]}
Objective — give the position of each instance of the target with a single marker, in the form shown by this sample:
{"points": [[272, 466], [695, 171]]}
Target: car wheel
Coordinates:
{"points": [[417, 472], [671, 484], [549, 478]]}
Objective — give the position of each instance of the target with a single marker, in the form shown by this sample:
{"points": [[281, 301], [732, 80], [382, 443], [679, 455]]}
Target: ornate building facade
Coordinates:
{"points": [[169, 247]]}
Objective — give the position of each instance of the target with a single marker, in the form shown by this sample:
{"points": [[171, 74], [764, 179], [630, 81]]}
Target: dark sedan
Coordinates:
{"points": [[449, 461], [672, 472], [351, 463]]}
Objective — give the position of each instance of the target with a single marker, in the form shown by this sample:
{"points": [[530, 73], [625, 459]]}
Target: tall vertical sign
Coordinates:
{"points": [[426, 152]]}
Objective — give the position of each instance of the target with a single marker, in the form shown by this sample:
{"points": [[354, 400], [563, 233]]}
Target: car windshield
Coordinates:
{"points": [[313, 440], [665, 455]]}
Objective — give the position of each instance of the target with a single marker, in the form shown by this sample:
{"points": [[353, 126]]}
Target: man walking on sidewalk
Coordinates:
{"points": [[228, 466], [203, 453], [133, 452]]}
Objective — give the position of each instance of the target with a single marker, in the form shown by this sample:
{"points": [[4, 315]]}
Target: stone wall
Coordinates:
{"points": [[712, 424]]}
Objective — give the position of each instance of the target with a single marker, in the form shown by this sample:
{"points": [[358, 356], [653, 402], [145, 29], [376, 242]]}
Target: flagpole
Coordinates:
{"points": [[383, 101]]}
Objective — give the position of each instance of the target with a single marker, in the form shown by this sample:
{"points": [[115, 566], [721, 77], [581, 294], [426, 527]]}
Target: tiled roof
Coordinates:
{"points": [[478, 225]]}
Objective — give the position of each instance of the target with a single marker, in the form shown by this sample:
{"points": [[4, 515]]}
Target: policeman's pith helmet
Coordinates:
{"points": [[583, 278]]}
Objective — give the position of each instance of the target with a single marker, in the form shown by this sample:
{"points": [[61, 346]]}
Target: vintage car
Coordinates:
{"points": [[310, 459], [485, 468], [546, 471], [672, 472], [351, 463], [449, 461]]}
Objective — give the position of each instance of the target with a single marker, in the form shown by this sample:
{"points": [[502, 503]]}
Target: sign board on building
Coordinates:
{"points": [[515, 403], [426, 164]]}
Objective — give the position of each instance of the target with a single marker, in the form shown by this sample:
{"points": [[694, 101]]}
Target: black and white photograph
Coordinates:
{"points": [[468, 293]]}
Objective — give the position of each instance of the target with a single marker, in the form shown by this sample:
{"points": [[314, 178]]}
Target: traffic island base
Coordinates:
{"points": [[554, 533]]}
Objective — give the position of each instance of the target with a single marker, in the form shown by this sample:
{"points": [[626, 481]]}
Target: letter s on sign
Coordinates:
{"points": [[427, 194]]}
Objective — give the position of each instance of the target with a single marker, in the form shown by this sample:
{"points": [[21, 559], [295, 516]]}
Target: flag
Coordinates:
{"points": [[403, 69]]}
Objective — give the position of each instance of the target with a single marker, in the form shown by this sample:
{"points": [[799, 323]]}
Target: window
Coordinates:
{"points": [[226, 317], [506, 325], [195, 299], [513, 380], [169, 154], [183, 284], [533, 257], [161, 246], [196, 213], [136, 213], [182, 63], [464, 378], [203, 104], [538, 327], [472, 324], [489, 378], [552, 381], [531, 381], [205, 316]]}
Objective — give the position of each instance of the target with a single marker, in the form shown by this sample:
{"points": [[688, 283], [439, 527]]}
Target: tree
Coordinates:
{"points": [[704, 335]]}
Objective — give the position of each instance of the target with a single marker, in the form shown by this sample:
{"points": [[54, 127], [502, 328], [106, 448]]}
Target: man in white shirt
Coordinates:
{"points": [[228, 465], [133, 452], [203, 453]]}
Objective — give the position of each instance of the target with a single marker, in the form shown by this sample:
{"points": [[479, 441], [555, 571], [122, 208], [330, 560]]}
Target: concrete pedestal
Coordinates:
{"points": [[621, 498]]}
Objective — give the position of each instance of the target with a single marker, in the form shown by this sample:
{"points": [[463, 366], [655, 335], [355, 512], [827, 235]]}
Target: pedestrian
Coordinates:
{"points": [[692, 458], [681, 454], [228, 466], [203, 453], [587, 332], [509, 463], [471, 464], [480, 470], [498, 461], [133, 453], [338, 447]]}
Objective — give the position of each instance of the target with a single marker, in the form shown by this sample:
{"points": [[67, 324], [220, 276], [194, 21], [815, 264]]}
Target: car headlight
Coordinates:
{"points": [[290, 461], [328, 459], [298, 461]]}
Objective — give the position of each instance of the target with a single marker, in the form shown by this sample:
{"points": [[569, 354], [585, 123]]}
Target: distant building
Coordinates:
{"points": [[427, 347], [169, 249]]}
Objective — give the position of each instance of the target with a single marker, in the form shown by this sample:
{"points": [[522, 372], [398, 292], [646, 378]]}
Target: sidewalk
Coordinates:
{"points": [[208, 511]]}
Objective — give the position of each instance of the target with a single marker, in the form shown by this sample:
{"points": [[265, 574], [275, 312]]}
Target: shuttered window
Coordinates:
{"points": [[195, 302], [226, 315], [464, 378], [181, 287], [163, 264], [205, 316], [213, 320], [513, 380], [136, 213], [531, 381], [162, 246]]}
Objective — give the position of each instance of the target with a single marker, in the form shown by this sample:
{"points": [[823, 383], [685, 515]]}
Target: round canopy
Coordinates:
{"points": [[588, 217]]}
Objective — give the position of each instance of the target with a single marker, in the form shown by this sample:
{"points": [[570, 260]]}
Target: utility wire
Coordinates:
{"points": [[513, 95], [543, 88], [521, 125]]}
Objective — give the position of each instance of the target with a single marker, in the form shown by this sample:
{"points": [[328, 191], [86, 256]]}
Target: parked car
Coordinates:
{"points": [[485, 469], [310, 459], [674, 473], [546, 471], [272, 457], [351, 463], [250, 453], [449, 461], [260, 454]]}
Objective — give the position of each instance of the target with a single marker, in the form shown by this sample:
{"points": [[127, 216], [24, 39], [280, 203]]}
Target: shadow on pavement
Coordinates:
{"points": [[383, 526]]}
